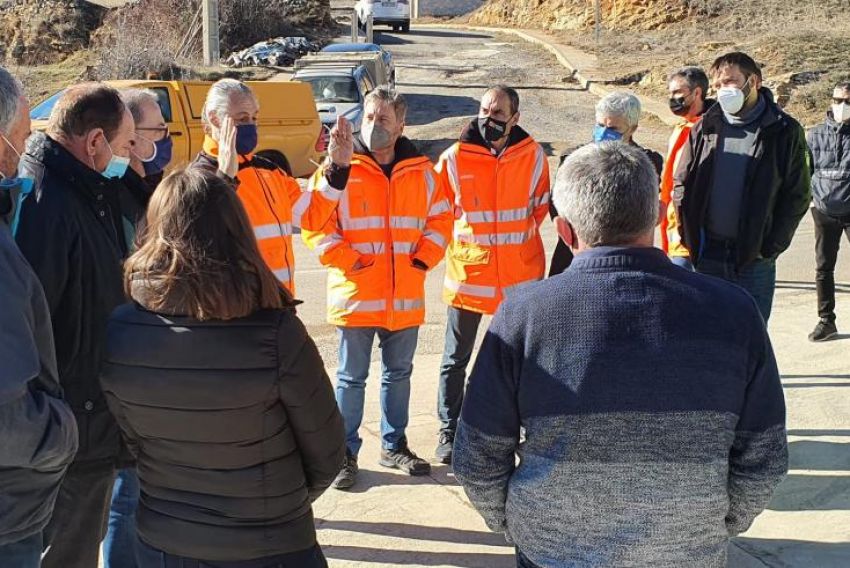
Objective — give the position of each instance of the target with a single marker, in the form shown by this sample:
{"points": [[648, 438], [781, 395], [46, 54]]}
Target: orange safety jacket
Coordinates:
{"points": [[383, 226], [275, 204], [499, 204], [671, 240]]}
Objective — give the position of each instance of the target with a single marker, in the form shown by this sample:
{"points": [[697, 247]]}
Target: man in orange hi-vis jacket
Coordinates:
{"points": [[392, 225], [688, 88], [498, 179]]}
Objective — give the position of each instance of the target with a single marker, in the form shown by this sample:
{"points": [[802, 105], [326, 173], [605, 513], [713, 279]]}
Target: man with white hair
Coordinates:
{"points": [[38, 433], [617, 118], [634, 454]]}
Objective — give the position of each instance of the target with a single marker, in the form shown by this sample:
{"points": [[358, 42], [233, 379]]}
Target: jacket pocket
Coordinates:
{"points": [[470, 253]]}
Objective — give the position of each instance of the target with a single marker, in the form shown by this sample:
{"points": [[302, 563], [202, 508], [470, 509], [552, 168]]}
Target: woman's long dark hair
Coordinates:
{"points": [[197, 251]]}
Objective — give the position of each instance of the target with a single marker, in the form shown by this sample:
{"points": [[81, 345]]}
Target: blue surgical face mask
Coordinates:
{"points": [[605, 134], [117, 166], [162, 150], [246, 138]]}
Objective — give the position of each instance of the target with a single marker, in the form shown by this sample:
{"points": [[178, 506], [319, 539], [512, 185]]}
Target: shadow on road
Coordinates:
{"points": [[815, 433], [448, 34], [815, 377], [482, 88], [425, 109], [820, 456], [384, 557], [795, 552], [840, 287], [370, 479], [416, 532]]}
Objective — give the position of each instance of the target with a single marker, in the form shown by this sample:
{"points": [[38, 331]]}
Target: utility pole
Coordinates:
{"points": [[210, 22], [598, 19]]}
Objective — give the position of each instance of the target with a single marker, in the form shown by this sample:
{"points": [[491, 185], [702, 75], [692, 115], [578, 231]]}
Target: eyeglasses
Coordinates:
{"points": [[840, 101], [160, 129]]}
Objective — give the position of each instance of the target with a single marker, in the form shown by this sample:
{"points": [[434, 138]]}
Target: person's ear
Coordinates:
{"points": [[515, 119], [93, 139], [215, 121], [566, 232]]}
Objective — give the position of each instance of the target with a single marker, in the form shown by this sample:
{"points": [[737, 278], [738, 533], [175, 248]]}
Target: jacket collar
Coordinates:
{"points": [[713, 120], [404, 150], [620, 257], [50, 154], [840, 127]]}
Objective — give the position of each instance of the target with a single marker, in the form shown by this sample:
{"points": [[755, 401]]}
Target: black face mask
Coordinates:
{"points": [[678, 106], [492, 129]]}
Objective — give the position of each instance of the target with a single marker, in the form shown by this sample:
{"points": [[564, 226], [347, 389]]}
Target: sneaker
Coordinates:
{"points": [[444, 447], [824, 331], [348, 474], [405, 460]]}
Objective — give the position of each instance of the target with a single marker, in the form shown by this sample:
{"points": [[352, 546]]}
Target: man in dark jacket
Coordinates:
{"points": [[742, 183], [73, 234], [617, 118], [38, 434], [830, 146], [637, 451]]}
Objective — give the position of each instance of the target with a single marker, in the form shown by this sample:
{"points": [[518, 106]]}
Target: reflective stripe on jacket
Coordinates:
{"points": [[275, 205], [671, 240], [386, 225], [499, 203]]}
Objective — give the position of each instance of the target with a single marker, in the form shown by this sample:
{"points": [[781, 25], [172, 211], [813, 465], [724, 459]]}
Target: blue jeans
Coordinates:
{"points": [[26, 553], [461, 329], [719, 258], [120, 544], [150, 557], [355, 353]]}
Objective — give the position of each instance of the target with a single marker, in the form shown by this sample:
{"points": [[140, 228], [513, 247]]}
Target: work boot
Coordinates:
{"points": [[405, 460], [348, 474], [824, 331], [444, 447]]}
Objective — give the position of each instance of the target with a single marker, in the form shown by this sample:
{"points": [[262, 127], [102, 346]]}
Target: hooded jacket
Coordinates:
{"points": [[38, 433], [830, 146], [386, 233], [499, 202], [777, 189], [233, 423], [75, 237]]}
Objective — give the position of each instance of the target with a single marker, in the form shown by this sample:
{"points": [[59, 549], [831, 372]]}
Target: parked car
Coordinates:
{"points": [[393, 13], [337, 91], [386, 56], [289, 123]]}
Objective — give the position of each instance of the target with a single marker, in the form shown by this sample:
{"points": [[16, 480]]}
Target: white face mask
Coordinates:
{"points": [[732, 99], [841, 113]]}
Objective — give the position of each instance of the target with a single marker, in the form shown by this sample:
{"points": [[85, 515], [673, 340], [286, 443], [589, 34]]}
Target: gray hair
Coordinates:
{"points": [[619, 103], [10, 100], [134, 99], [219, 96], [383, 94], [608, 192]]}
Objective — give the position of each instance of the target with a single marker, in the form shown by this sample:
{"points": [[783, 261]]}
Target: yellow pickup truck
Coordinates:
{"points": [[288, 121]]}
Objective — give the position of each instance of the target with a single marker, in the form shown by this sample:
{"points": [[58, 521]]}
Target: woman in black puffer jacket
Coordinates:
{"points": [[220, 393]]}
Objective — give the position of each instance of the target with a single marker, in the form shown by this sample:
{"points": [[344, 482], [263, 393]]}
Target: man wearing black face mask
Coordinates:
{"points": [[498, 180], [688, 87], [743, 181]]}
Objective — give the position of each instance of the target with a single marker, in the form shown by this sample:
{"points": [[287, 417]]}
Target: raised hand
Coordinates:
{"points": [[341, 147], [228, 160]]}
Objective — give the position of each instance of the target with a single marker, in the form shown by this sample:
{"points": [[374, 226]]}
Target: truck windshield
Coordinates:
{"points": [[333, 89]]}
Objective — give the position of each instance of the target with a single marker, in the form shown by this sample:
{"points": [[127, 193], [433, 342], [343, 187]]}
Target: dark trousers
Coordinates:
{"points": [[828, 232], [150, 557], [25, 553], [461, 329], [79, 518], [720, 259]]}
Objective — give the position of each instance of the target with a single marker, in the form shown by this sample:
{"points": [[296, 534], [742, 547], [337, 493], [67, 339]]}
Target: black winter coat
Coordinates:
{"points": [[233, 425], [830, 146], [72, 233], [777, 191]]}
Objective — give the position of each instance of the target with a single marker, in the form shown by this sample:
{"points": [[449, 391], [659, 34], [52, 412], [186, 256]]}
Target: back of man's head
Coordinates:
{"points": [[83, 108], [609, 194]]}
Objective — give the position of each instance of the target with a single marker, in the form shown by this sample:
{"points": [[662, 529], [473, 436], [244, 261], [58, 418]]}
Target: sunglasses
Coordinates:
{"points": [[840, 101]]}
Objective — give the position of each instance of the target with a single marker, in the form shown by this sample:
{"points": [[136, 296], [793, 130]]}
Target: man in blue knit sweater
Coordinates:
{"points": [[653, 414]]}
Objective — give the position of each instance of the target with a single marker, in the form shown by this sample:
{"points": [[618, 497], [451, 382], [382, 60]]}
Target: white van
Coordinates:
{"points": [[393, 13]]}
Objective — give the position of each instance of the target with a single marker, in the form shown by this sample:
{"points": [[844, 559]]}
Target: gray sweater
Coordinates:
{"points": [[653, 414], [38, 433]]}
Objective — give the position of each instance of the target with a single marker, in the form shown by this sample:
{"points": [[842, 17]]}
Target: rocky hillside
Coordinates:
{"points": [[45, 31]]}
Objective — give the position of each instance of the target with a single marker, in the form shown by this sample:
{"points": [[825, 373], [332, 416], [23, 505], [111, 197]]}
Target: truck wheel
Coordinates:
{"points": [[276, 158], [405, 27]]}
